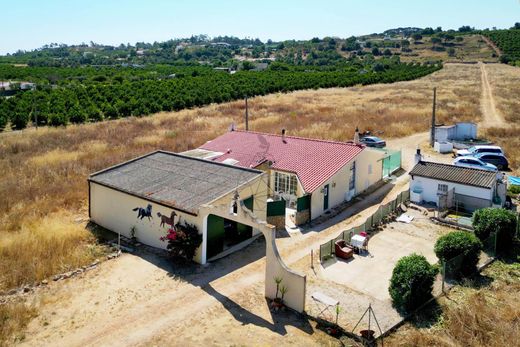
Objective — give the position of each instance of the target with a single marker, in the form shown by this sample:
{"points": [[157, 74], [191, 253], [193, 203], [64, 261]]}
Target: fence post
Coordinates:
{"points": [[443, 274], [495, 244]]}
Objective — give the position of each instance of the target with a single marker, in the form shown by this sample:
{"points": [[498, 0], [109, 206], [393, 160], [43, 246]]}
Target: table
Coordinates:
{"points": [[358, 241]]}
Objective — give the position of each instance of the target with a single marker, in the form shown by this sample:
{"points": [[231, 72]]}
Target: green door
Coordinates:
{"points": [[215, 236], [326, 197]]}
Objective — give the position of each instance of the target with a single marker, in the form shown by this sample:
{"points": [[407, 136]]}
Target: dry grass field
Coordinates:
{"points": [[505, 85], [473, 316]]}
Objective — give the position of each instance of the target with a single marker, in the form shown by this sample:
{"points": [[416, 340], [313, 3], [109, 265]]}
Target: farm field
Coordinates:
{"points": [[44, 209]]}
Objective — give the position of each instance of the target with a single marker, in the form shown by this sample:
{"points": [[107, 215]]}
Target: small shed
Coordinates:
{"points": [[462, 131], [447, 186], [150, 194]]}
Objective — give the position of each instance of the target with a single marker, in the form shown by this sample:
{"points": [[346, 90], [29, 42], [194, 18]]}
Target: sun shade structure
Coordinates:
{"points": [[313, 161], [173, 180], [456, 174]]}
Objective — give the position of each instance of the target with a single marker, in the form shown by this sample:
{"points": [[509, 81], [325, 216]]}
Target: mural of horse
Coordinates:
{"points": [[144, 212], [167, 220]]}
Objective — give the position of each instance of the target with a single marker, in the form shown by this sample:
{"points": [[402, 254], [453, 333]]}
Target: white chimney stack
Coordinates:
{"points": [[356, 136], [418, 156]]}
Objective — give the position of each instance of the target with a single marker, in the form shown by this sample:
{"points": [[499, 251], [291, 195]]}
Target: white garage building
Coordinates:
{"points": [[150, 194]]}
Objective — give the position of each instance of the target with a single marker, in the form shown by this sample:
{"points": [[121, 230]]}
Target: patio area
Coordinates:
{"points": [[364, 279]]}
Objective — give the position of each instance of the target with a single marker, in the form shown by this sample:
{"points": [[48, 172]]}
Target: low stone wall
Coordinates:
{"points": [[277, 221], [302, 217]]}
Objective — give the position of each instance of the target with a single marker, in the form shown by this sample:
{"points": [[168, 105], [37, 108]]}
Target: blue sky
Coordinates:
{"points": [[29, 24]]}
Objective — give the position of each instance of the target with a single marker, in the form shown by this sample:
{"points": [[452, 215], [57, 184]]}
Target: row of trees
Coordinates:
{"points": [[509, 43], [94, 102]]}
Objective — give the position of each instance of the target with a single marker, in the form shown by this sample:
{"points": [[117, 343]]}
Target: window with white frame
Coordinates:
{"points": [[285, 183], [442, 188], [352, 179]]}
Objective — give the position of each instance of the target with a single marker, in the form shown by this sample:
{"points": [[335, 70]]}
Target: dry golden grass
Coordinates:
{"points": [[505, 87], [489, 316], [14, 317], [38, 249]]}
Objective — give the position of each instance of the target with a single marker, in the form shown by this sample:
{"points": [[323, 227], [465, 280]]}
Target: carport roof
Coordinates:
{"points": [[456, 174], [174, 180]]}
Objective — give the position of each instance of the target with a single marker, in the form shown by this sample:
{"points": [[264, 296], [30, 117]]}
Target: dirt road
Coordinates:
{"points": [[490, 115]]}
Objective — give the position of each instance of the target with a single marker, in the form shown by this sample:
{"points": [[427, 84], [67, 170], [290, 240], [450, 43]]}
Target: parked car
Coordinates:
{"points": [[474, 163], [497, 159], [478, 149], [373, 141]]}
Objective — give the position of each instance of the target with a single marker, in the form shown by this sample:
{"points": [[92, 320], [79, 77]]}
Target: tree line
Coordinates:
{"points": [[79, 103]]}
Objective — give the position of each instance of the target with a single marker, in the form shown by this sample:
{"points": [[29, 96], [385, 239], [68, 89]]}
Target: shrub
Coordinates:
{"points": [[412, 282], [459, 243], [183, 240], [491, 220]]}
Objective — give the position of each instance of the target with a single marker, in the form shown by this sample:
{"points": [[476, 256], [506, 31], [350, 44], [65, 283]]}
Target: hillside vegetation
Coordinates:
{"points": [[508, 41]]}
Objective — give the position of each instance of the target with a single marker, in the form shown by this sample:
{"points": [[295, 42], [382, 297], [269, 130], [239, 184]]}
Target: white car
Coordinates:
{"points": [[474, 163], [479, 149]]}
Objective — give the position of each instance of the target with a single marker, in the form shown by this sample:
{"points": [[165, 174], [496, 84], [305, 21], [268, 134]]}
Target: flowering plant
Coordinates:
{"points": [[183, 240]]}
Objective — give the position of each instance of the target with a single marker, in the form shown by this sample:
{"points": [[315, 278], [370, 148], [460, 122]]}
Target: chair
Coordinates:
{"points": [[363, 233], [343, 250]]}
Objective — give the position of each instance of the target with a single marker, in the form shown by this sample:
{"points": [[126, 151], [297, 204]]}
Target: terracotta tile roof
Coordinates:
{"points": [[313, 161], [456, 174]]}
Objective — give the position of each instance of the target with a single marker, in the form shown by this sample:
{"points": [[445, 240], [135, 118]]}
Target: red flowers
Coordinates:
{"points": [[170, 235]]}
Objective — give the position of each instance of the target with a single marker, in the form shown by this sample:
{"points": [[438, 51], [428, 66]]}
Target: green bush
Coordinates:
{"points": [[412, 282], [514, 189], [459, 243], [490, 220]]}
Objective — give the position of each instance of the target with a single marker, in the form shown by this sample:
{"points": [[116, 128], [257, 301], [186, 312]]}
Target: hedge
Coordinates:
{"points": [[459, 243]]}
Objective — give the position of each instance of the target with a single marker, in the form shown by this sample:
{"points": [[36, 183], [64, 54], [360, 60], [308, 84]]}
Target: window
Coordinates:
{"points": [[369, 169], [285, 183], [352, 179], [442, 188]]}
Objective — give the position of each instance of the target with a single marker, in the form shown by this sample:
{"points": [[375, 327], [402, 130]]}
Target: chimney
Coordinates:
{"points": [[283, 136], [356, 136], [418, 156]]}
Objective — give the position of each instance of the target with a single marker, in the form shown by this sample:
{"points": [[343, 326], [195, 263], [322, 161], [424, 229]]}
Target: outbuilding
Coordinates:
{"points": [[146, 196], [449, 186]]}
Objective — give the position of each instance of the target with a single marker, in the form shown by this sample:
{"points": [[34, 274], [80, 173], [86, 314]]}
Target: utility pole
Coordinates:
{"points": [[247, 116], [432, 134]]}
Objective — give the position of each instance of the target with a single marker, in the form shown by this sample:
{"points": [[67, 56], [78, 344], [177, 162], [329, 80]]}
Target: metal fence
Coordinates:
{"points": [[391, 163], [376, 219], [451, 269]]}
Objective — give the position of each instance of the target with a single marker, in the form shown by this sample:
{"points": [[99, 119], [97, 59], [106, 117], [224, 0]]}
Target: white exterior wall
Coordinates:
{"points": [[256, 188], [112, 210], [368, 158], [430, 188], [364, 179]]}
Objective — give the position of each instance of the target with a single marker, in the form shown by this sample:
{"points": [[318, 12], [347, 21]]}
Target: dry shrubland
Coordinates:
{"points": [[473, 317]]}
